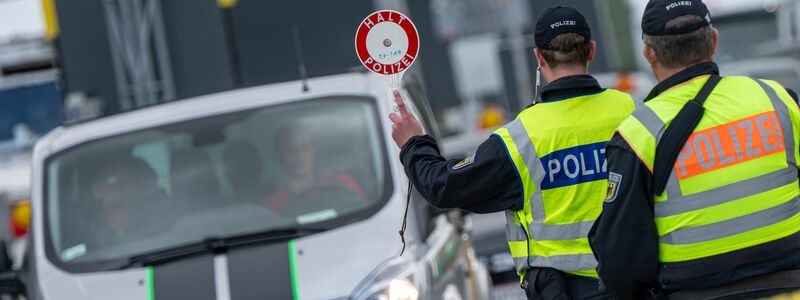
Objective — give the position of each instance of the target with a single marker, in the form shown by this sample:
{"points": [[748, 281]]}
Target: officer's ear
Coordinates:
{"points": [[592, 51], [714, 40], [650, 54], [539, 58]]}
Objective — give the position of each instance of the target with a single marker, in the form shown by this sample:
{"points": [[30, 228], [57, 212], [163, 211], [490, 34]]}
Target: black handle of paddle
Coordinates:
{"points": [[405, 220]]}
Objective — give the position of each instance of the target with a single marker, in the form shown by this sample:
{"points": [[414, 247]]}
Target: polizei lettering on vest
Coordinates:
{"points": [[730, 144], [574, 165]]}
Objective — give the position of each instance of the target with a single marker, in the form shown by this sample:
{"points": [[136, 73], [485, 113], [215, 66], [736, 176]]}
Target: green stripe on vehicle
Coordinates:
{"points": [[440, 266], [449, 249], [151, 295], [293, 268]]}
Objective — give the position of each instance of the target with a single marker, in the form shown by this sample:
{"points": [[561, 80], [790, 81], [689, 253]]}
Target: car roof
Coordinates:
{"points": [[355, 84]]}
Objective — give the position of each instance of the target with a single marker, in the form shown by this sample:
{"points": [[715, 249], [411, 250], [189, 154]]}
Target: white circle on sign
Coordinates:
{"points": [[377, 41]]}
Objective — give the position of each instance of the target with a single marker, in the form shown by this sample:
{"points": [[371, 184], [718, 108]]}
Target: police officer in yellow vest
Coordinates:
{"points": [[725, 206], [546, 169]]}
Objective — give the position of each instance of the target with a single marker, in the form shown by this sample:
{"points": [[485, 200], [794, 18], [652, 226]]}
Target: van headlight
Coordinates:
{"points": [[395, 279]]}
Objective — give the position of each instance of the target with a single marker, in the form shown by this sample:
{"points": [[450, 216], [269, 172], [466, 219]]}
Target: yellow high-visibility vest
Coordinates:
{"points": [[734, 184], [558, 150]]}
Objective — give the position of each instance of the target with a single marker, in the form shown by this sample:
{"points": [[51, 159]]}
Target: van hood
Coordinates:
{"points": [[332, 264], [328, 265]]}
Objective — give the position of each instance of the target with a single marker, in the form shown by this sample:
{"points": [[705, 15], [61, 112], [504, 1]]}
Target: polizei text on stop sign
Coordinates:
{"points": [[387, 53]]}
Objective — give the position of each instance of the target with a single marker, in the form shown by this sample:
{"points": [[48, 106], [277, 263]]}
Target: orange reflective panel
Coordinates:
{"points": [[730, 144]]}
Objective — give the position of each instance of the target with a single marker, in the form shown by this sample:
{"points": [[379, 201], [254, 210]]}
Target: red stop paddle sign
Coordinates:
{"points": [[387, 42]]}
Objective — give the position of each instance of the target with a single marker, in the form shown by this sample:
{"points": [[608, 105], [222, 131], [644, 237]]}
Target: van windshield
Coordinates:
{"points": [[317, 163]]}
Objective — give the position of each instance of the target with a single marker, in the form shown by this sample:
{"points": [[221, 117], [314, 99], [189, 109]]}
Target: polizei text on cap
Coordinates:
{"points": [[562, 23], [679, 3]]}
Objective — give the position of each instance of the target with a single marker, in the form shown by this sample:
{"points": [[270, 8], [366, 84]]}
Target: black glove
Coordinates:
{"points": [[545, 284]]}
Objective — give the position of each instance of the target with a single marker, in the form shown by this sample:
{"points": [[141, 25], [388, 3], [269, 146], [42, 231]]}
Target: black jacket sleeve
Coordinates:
{"points": [[484, 183], [624, 238]]}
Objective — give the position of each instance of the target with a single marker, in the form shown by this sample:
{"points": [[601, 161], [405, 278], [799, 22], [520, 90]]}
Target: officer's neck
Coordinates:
{"points": [[565, 71]]}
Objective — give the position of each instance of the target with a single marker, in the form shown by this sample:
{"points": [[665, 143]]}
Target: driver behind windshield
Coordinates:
{"points": [[296, 156], [121, 190]]}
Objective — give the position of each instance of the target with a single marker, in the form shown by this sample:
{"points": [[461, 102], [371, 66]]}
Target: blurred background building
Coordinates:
{"points": [[117, 55], [128, 54]]}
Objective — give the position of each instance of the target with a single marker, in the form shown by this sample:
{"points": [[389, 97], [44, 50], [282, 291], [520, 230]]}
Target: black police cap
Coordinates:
{"points": [[557, 20], [659, 12]]}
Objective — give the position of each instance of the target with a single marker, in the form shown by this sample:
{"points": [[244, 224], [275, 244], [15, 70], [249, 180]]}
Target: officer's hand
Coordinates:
{"points": [[404, 125]]}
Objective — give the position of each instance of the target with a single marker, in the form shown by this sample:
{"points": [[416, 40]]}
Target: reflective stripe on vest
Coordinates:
{"points": [[571, 172], [535, 228], [539, 230], [734, 184]]}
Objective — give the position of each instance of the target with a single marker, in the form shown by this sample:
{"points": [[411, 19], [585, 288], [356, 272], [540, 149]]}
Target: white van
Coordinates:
{"points": [[261, 193]]}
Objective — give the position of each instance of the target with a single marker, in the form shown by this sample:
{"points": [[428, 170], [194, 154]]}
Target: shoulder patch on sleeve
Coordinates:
{"points": [[464, 163], [614, 180]]}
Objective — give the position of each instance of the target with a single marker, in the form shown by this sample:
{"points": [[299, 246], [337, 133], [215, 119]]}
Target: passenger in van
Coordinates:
{"points": [[243, 169], [296, 155], [123, 191]]}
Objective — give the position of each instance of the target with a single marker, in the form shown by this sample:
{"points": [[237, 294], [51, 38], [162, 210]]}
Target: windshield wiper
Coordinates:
{"points": [[215, 245]]}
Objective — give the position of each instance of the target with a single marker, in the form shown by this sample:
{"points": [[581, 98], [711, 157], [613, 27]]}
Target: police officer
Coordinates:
{"points": [[725, 206], [546, 169]]}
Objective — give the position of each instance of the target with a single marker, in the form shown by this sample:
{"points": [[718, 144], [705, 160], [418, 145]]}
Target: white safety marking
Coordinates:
{"points": [[221, 283]]}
